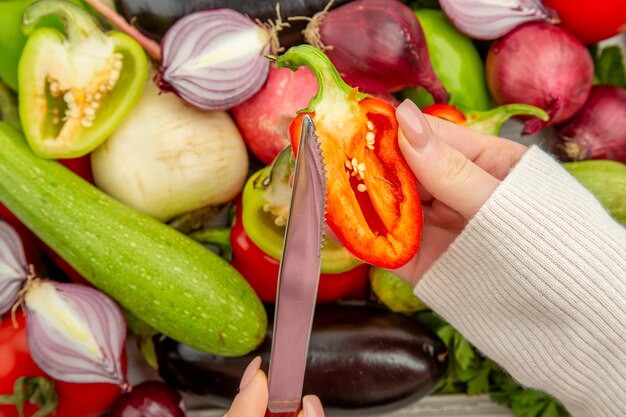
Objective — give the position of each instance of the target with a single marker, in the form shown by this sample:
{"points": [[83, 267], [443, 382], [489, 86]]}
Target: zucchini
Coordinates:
{"points": [[164, 278]]}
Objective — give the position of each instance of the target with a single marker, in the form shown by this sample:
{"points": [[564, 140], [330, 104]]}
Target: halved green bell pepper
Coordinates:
{"points": [[456, 62], [261, 212], [75, 87]]}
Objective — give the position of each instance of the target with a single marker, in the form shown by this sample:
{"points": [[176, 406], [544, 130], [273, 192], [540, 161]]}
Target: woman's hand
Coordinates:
{"points": [[457, 169], [253, 396]]}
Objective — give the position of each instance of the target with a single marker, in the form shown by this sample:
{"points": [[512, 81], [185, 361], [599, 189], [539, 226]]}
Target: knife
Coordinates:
{"points": [[298, 277]]}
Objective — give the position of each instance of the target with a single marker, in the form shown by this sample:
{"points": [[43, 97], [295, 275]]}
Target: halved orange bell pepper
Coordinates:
{"points": [[373, 206]]}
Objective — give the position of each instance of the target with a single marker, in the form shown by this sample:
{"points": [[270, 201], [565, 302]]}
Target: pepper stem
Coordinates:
{"points": [[491, 121], [79, 24], [328, 79]]}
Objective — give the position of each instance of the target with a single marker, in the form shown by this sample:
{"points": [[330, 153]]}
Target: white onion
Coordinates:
{"points": [[168, 158]]}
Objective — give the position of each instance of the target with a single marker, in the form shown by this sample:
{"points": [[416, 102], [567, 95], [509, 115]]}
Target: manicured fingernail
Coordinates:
{"points": [[249, 373], [312, 406], [413, 124]]}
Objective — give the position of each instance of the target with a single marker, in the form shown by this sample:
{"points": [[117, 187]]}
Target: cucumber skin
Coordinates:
{"points": [[166, 279]]}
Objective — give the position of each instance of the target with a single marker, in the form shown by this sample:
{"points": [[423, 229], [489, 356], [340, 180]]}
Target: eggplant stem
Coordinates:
{"points": [[151, 47]]}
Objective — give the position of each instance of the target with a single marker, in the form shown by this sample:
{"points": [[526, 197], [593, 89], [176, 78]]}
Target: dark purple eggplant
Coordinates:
{"points": [[360, 358], [155, 17]]}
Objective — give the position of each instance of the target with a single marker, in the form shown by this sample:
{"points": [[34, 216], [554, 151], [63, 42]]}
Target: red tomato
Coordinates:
{"points": [[447, 112], [261, 272], [590, 21], [75, 400]]}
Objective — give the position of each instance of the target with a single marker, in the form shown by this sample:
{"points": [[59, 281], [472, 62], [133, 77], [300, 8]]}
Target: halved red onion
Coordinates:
{"points": [[13, 266], [214, 59], [491, 19], [75, 333]]}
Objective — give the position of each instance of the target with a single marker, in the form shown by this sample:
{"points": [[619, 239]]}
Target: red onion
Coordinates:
{"points": [[541, 65], [491, 19], [376, 45], [149, 399], [13, 266], [75, 333], [213, 59], [598, 130]]}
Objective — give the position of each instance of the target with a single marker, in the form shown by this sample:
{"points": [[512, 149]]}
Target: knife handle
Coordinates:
{"points": [[268, 413]]}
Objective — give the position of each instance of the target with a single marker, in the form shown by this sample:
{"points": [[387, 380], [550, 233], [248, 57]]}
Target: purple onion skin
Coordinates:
{"points": [[541, 65], [13, 266], [598, 130], [379, 46], [149, 399]]}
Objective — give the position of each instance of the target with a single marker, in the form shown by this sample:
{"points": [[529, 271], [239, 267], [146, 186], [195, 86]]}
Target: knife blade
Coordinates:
{"points": [[298, 276]]}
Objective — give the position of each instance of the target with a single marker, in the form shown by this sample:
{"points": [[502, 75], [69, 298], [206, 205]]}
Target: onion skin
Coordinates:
{"points": [[487, 19], [541, 65], [379, 47], [598, 130], [13, 266]]}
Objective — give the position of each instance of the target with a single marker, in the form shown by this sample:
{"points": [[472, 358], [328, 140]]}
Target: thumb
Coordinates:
{"points": [[311, 407], [443, 171]]}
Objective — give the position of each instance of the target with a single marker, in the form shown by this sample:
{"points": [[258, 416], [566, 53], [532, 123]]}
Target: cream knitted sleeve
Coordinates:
{"points": [[537, 282]]}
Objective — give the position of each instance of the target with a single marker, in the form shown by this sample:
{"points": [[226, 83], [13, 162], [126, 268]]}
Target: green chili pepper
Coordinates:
{"points": [[76, 86], [455, 61]]}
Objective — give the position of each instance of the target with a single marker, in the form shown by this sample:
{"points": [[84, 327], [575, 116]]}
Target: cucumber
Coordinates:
{"points": [[164, 278]]}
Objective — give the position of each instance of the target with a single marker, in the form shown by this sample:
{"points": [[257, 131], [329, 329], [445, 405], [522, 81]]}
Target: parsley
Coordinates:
{"points": [[471, 373], [609, 65]]}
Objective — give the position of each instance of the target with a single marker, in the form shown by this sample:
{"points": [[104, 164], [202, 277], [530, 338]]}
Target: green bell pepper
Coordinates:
{"points": [[456, 62], [12, 40], [75, 87], [265, 205]]}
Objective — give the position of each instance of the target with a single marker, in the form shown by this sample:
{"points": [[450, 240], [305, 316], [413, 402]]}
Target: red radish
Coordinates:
{"points": [[263, 120]]}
